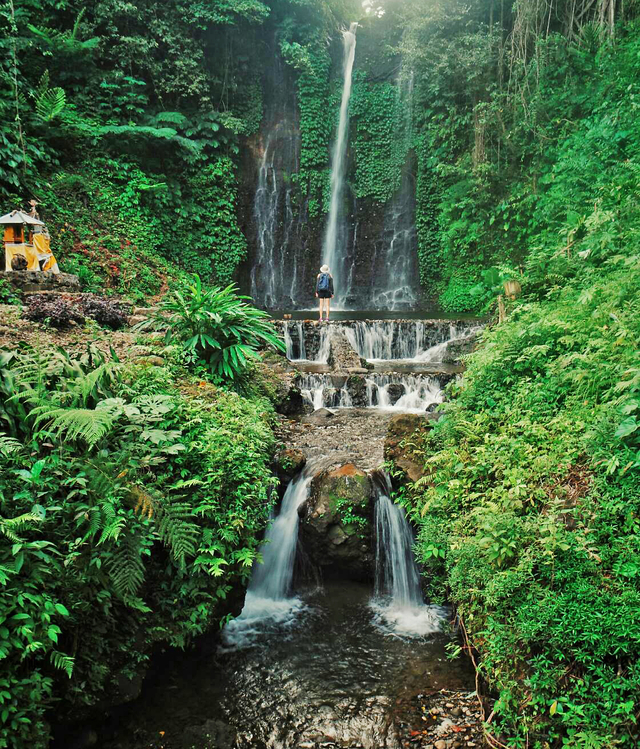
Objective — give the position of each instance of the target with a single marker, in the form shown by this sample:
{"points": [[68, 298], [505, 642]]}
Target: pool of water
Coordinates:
{"points": [[334, 673]]}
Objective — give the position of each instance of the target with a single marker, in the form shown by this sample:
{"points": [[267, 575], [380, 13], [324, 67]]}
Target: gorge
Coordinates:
{"points": [[226, 525]]}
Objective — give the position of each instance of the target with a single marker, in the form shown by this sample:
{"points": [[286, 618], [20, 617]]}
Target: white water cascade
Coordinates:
{"points": [[330, 254], [394, 275], [296, 346], [382, 340], [268, 596], [398, 597], [405, 393]]}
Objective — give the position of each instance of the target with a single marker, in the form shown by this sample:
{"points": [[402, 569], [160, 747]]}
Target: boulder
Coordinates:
{"points": [[288, 463], [320, 417], [357, 387], [395, 391], [396, 445], [336, 523]]}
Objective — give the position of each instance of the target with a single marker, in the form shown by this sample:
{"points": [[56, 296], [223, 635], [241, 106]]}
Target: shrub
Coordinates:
{"points": [[7, 293], [56, 311], [110, 313], [216, 327]]}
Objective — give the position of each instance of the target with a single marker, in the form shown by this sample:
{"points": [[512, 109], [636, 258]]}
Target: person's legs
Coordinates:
{"points": [[321, 301], [327, 303]]}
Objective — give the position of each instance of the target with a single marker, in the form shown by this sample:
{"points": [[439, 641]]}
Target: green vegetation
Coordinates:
{"points": [[216, 328], [132, 500], [529, 513], [132, 496]]}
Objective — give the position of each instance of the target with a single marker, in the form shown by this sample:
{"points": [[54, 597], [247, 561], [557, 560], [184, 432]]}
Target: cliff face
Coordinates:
{"points": [[376, 239]]}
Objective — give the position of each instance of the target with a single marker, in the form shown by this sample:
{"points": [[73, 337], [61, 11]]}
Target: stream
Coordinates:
{"points": [[327, 674]]}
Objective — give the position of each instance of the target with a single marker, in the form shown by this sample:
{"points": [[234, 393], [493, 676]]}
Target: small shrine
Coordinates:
{"points": [[28, 261], [27, 243]]}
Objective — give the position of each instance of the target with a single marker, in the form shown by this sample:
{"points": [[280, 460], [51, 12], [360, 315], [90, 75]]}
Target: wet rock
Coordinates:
{"points": [[395, 391], [335, 527], [319, 417], [342, 357], [458, 348], [357, 388], [396, 446], [288, 462]]}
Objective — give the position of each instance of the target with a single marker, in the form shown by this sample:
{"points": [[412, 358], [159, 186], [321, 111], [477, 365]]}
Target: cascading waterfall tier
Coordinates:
{"points": [[300, 347], [398, 597], [416, 340], [269, 594], [394, 274], [393, 392], [279, 276], [334, 239]]}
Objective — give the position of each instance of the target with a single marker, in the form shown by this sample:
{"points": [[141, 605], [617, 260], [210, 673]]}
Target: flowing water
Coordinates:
{"points": [[329, 677], [333, 253], [418, 340], [405, 393], [394, 275], [331, 668], [398, 597], [296, 343]]}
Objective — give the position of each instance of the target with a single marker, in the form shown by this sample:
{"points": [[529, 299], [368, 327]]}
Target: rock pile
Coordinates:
{"points": [[444, 720]]}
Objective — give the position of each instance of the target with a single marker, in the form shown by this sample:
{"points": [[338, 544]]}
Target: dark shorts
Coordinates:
{"points": [[324, 295]]}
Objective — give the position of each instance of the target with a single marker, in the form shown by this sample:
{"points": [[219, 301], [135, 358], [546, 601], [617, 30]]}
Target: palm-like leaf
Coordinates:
{"points": [[217, 324]]}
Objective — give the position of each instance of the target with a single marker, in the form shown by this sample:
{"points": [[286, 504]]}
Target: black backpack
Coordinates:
{"points": [[323, 282]]}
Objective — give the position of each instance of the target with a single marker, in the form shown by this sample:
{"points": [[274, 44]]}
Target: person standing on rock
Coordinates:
{"points": [[324, 290]]}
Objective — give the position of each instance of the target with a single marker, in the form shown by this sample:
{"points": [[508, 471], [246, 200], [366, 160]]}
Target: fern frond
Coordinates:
{"points": [[76, 423], [8, 445], [178, 533], [51, 103], [126, 567], [62, 662], [11, 527]]}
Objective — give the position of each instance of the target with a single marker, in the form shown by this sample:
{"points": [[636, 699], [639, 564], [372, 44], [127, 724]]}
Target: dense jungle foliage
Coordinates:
{"points": [[132, 496], [529, 514], [132, 500]]}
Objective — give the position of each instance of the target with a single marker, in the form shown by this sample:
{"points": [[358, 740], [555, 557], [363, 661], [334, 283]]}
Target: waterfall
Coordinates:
{"points": [[398, 597], [330, 254], [296, 345], [295, 350], [394, 276], [393, 339], [396, 571], [279, 277], [268, 596], [406, 393], [272, 578]]}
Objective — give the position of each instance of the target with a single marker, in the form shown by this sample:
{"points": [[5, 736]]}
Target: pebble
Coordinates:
{"points": [[441, 744], [456, 712]]}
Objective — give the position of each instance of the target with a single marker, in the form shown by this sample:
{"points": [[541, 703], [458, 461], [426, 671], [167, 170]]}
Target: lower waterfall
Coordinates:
{"points": [[398, 597], [269, 594], [406, 393]]}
